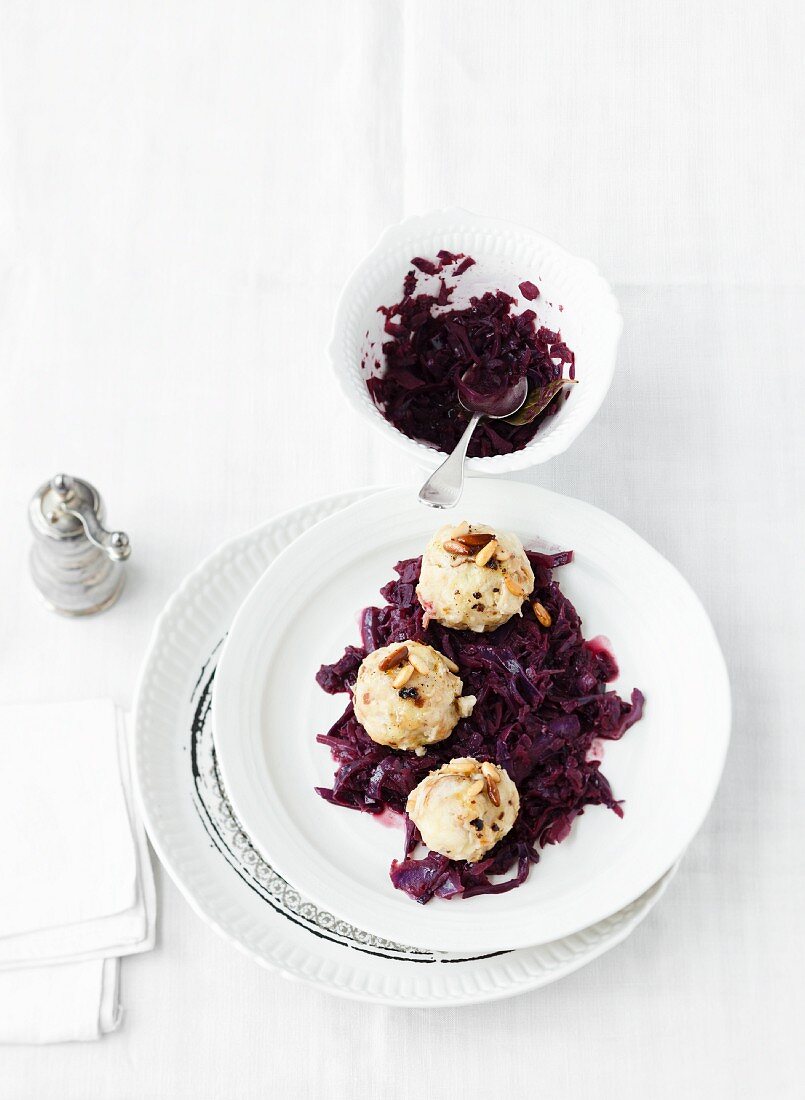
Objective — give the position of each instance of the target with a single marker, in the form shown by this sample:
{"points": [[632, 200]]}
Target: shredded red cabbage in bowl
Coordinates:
{"points": [[432, 347], [541, 704]]}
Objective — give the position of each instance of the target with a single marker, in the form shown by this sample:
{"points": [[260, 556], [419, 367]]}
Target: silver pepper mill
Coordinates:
{"points": [[76, 563]]}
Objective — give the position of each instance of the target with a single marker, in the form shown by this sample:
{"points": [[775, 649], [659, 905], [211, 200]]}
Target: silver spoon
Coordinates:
{"points": [[443, 487]]}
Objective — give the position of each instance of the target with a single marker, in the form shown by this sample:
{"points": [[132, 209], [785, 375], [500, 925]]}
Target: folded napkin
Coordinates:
{"points": [[76, 887], [51, 1004]]}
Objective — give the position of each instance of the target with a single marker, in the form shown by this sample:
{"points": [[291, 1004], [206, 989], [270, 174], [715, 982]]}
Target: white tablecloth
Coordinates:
{"points": [[183, 188]]}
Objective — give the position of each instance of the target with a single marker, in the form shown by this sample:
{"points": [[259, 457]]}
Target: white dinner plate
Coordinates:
{"points": [[201, 843], [267, 711]]}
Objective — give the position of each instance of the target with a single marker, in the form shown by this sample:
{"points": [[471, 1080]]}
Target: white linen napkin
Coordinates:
{"points": [[57, 1003], [76, 886]]}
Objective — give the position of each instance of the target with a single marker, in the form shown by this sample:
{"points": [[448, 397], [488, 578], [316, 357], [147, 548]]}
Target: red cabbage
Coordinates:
{"points": [[529, 291], [542, 701], [428, 353]]}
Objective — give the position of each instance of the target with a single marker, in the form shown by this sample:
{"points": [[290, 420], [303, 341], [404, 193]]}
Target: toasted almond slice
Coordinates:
{"points": [[419, 663], [475, 788], [486, 553], [462, 529], [476, 538], [462, 767], [493, 792], [452, 546], [542, 613], [451, 665], [514, 586], [396, 657], [490, 771], [402, 677]]}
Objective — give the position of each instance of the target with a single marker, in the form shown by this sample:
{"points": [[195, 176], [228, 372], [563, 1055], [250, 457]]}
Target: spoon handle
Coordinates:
{"points": [[443, 487]]}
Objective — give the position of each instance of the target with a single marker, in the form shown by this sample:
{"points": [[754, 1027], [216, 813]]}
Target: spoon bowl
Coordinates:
{"points": [[495, 406], [444, 486]]}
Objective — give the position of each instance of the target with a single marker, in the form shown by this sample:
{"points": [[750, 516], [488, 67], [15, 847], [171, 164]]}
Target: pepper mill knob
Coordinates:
{"points": [[77, 564]]}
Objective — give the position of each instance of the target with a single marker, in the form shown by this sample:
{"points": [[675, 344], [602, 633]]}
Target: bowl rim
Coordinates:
{"points": [[538, 450]]}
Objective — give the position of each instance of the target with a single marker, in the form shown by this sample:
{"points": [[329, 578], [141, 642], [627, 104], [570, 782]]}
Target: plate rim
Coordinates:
{"points": [[245, 800], [150, 732]]}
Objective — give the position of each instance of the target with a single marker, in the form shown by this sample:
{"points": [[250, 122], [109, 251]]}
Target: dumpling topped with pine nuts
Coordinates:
{"points": [[464, 808], [474, 577], [407, 696]]}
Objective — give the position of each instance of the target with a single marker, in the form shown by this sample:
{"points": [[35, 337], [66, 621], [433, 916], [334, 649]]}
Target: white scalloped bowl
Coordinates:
{"points": [[574, 298]]}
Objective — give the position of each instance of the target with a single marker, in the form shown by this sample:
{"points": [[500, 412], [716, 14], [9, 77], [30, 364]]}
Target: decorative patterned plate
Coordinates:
{"points": [[211, 859]]}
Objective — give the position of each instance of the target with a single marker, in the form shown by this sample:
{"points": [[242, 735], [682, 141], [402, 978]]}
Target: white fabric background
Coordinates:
{"points": [[183, 188]]}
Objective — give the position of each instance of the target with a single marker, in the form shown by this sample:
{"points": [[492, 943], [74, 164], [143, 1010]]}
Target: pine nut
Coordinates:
{"points": [[402, 677], [419, 663], [391, 660], [486, 553], [462, 767], [542, 613], [514, 586]]}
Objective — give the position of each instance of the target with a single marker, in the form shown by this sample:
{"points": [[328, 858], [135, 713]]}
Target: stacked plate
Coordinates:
{"points": [[303, 886]]}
